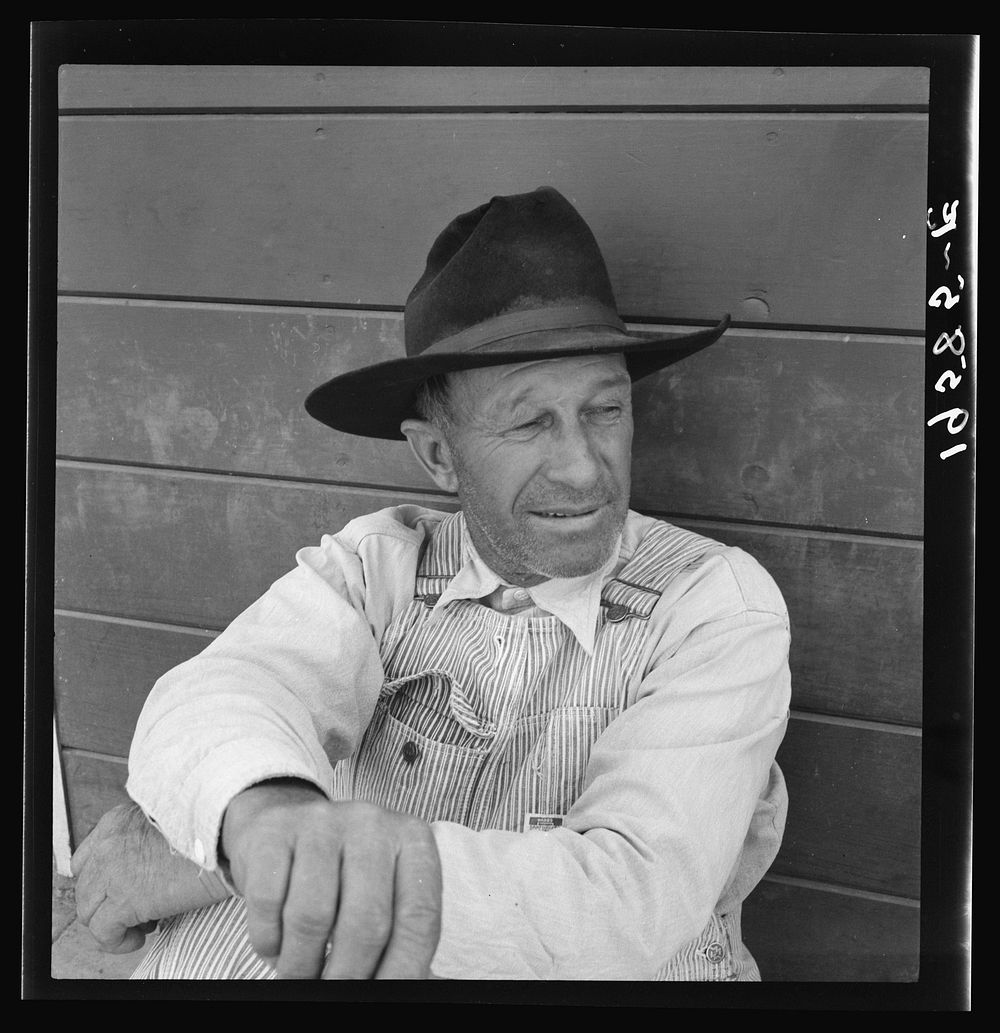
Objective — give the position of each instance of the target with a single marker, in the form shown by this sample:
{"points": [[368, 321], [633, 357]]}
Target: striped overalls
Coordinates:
{"points": [[487, 720]]}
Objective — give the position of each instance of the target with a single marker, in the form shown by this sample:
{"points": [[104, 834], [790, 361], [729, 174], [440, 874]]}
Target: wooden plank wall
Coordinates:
{"points": [[231, 237]]}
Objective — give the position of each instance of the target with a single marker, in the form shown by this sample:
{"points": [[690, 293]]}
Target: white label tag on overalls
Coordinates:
{"points": [[541, 822]]}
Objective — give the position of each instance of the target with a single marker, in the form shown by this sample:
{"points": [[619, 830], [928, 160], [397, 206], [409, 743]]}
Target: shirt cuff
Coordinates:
{"points": [[191, 819]]}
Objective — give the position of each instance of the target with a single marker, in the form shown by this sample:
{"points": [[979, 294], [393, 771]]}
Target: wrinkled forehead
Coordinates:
{"points": [[499, 387]]}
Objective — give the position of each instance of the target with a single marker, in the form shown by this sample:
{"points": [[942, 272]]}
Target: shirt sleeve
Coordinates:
{"points": [[285, 691], [671, 789]]}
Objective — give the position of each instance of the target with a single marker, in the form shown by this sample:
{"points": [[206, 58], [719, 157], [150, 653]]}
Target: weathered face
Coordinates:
{"points": [[542, 455]]}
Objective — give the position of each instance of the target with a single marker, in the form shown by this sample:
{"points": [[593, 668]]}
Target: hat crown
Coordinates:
{"points": [[518, 253]]}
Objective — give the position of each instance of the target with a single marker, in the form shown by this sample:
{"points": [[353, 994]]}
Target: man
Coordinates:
{"points": [[533, 739]]}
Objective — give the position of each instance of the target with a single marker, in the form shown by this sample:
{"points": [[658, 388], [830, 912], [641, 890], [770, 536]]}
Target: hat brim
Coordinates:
{"points": [[372, 402]]}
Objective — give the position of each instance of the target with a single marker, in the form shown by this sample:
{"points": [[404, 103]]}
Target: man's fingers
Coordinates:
{"points": [[364, 918], [113, 930], [416, 925], [264, 890], [87, 902], [309, 912], [90, 892], [322, 890], [133, 940], [81, 856]]}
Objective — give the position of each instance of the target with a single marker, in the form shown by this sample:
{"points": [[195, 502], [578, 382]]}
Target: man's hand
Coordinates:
{"points": [[363, 879], [127, 878]]}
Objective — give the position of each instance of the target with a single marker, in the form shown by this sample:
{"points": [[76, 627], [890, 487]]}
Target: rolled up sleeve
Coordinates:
{"points": [[285, 691]]}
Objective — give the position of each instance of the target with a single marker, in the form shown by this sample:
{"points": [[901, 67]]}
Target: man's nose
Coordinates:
{"points": [[574, 459]]}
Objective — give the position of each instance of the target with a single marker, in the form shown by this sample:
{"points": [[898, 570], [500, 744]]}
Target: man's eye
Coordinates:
{"points": [[607, 412]]}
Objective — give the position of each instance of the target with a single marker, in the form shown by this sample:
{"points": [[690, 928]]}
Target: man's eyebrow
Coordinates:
{"points": [[621, 379]]}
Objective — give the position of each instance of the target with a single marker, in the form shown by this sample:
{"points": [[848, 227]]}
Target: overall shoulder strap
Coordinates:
{"points": [[440, 560], [662, 554]]}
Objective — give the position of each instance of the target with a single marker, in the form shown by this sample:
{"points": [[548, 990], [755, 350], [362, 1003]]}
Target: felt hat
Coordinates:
{"points": [[518, 279]]}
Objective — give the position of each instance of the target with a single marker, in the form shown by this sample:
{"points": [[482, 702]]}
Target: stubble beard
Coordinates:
{"points": [[519, 554]]}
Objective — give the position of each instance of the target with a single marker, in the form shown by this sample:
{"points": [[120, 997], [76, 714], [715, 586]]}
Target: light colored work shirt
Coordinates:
{"points": [[637, 724]]}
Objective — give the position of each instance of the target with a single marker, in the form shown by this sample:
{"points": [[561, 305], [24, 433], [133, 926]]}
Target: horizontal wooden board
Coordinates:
{"points": [[795, 219], [856, 609], [854, 809], [196, 549], [232, 87], [786, 427], [220, 388], [812, 934], [810, 430], [187, 549], [854, 806]]}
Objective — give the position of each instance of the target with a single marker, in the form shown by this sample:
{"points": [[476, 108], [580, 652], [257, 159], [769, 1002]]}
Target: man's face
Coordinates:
{"points": [[542, 455]]}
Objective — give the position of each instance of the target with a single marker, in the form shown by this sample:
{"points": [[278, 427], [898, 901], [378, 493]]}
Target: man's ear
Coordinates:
{"points": [[431, 448]]}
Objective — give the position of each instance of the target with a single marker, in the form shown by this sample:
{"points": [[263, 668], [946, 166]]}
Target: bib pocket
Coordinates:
{"points": [[415, 756]]}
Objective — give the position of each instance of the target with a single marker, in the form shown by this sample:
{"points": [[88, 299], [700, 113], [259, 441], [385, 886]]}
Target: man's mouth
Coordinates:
{"points": [[565, 514]]}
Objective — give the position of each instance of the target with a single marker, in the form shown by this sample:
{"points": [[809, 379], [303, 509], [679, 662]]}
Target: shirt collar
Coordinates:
{"points": [[576, 601]]}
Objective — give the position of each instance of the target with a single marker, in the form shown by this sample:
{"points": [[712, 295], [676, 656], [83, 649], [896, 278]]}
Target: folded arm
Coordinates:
{"points": [[234, 748], [284, 692], [657, 834]]}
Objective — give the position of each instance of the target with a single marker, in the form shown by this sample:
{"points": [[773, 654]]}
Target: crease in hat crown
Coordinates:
{"points": [[515, 265], [520, 278]]}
